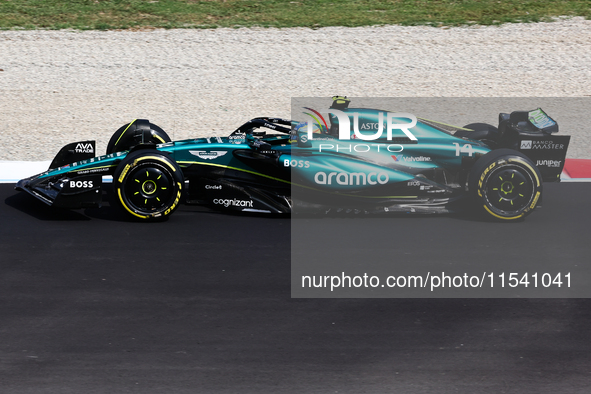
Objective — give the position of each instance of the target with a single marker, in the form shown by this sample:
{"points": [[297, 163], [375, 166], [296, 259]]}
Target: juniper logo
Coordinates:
{"points": [[393, 122], [526, 144], [549, 163]]}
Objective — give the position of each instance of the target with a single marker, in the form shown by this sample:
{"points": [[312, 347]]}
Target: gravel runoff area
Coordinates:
{"points": [[62, 86]]}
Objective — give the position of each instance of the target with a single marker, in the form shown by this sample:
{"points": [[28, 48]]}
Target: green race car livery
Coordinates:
{"points": [[340, 159]]}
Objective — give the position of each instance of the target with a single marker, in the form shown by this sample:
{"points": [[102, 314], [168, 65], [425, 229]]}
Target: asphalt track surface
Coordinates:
{"points": [[91, 303]]}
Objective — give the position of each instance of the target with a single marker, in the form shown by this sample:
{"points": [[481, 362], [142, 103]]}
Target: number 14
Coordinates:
{"points": [[467, 148]]}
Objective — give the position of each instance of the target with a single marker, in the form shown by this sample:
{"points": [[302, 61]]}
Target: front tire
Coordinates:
{"points": [[505, 184], [148, 185]]}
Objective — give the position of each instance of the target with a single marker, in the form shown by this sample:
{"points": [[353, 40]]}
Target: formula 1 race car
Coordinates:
{"points": [[344, 161]]}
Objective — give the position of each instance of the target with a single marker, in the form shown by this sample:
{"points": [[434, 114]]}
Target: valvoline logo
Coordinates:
{"points": [[411, 158]]}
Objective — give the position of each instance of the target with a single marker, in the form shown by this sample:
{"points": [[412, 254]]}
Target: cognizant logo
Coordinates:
{"points": [[392, 123], [351, 179], [235, 202]]}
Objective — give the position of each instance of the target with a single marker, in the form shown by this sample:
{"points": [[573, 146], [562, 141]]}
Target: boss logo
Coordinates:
{"points": [[81, 184], [296, 163]]}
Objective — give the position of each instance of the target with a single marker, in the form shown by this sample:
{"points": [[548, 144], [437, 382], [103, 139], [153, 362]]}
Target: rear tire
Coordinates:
{"points": [[148, 185], [505, 184]]}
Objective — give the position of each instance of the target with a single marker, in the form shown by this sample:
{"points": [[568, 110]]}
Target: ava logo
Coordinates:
{"points": [[394, 121], [526, 144], [84, 148], [351, 179], [214, 154]]}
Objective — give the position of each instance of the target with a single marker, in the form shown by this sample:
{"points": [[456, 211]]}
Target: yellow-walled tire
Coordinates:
{"points": [[505, 184], [148, 185]]}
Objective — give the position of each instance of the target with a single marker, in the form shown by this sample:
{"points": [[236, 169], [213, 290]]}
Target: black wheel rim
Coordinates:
{"points": [[509, 190], [149, 189]]}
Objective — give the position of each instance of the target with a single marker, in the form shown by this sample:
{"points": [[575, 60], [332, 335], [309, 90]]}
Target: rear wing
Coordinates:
{"points": [[533, 134]]}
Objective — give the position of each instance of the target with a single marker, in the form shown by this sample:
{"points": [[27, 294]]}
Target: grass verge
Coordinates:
{"points": [[136, 14]]}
